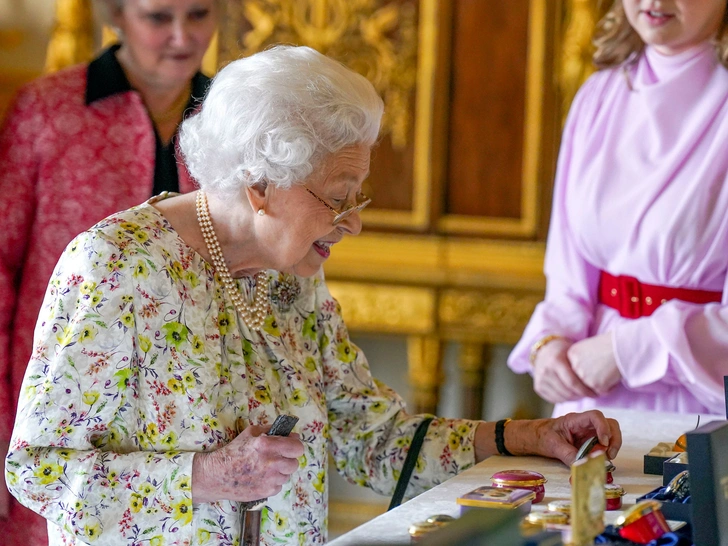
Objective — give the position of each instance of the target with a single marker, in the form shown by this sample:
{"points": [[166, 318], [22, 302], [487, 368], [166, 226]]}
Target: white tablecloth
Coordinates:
{"points": [[640, 431]]}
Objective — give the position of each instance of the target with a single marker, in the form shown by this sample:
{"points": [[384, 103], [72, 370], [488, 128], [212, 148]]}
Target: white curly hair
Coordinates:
{"points": [[272, 116]]}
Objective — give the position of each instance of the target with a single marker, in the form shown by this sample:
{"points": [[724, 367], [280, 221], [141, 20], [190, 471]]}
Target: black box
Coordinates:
{"points": [[676, 511], [671, 469], [708, 462], [653, 464]]}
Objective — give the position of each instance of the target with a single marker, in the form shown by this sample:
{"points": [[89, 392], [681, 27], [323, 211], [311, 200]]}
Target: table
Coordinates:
{"points": [[640, 431]]}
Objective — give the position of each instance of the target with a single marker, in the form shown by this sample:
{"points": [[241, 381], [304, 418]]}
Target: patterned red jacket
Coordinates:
{"points": [[75, 147]]}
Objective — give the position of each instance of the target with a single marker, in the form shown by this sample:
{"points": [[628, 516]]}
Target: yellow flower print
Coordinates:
{"points": [[30, 392], [48, 473], [129, 226], [400, 442], [183, 511], [184, 483], [280, 521], [223, 322], [92, 531], [141, 236], [64, 454], [310, 364], [90, 397], [378, 407], [463, 429], [203, 536], [262, 395], [151, 431], [298, 397], [122, 378], [115, 437], [136, 502], [345, 352], [140, 270], [127, 319], [176, 386], [87, 287], [65, 336], [96, 298], [318, 481], [127, 298], [170, 440], [147, 489], [156, 541], [271, 326], [88, 333], [120, 235], [188, 378], [192, 278], [176, 270], [454, 441], [145, 344], [302, 461], [198, 346], [12, 477], [175, 333], [420, 464]]}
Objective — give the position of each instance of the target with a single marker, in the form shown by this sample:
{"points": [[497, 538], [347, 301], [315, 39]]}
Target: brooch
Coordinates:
{"points": [[284, 291]]}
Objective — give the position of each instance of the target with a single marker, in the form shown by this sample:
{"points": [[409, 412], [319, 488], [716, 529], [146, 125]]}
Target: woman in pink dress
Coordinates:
{"points": [[75, 147], [636, 307]]}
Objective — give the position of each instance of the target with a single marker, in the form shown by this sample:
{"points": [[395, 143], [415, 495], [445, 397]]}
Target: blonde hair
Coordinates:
{"points": [[617, 42]]}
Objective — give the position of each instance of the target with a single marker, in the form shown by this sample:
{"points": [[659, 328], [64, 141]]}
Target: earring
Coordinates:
{"points": [[261, 212]]}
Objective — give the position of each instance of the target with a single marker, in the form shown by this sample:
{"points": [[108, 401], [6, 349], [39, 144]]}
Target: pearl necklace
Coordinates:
{"points": [[253, 316]]}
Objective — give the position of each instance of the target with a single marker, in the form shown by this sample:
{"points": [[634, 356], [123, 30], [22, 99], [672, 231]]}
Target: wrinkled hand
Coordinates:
{"points": [[553, 377], [4, 493], [593, 361], [561, 438], [251, 467]]}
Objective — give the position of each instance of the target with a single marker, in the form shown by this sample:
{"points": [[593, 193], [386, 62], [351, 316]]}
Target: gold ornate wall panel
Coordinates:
{"points": [[392, 43]]}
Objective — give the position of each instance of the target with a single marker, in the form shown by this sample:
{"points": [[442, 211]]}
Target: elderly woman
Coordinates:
{"points": [[77, 146], [172, 335]]}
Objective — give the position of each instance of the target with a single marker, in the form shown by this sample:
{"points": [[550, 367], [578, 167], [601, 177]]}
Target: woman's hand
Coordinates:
{"points": [[553, 377], [593, 361], [251, 467], [561, 438]]}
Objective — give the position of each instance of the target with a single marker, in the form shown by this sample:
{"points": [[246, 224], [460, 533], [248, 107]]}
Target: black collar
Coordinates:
{"points": [[105, 78]]}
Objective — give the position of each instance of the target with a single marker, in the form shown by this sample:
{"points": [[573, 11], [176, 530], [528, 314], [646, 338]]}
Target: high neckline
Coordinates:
{"points": [[664, 67]]}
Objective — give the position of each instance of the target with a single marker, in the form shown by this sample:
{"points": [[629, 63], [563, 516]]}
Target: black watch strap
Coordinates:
{"points": [[500, 442]]}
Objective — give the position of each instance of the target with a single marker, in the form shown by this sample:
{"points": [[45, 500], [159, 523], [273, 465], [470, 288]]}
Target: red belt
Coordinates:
{"points": [[635, 299]]}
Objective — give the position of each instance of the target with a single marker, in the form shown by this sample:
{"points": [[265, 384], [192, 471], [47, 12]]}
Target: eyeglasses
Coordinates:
{"points": [[361, 202]]}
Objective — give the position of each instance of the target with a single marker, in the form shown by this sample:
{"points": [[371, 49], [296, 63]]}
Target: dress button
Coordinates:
{"points": [[663, 301], [613, 292], [634, 299], [648, 300]]}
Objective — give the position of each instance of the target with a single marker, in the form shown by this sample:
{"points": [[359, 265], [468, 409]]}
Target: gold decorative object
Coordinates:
{"points": [[377, 38], [386, 308], [497, 316], [424, 354], [72, 38], [581, 17], [587, 499]]}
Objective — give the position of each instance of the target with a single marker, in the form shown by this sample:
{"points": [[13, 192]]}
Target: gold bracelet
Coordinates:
{"points": [[539, 345]]}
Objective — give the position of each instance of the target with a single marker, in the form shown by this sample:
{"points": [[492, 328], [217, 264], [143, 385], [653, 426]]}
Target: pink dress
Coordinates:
{"points": [[64, 165], [641, 190]]}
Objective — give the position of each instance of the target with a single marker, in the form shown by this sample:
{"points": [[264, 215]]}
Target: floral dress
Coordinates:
{"points": [[140, 361]]}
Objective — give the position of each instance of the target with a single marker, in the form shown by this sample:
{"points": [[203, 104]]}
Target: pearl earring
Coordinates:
{"points": [[261, 212]]}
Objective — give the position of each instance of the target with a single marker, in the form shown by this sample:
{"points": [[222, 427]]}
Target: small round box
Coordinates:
{"points": [[563, 506], [643, 522], [521, 479], [419, 530], [613, 494], [535, 522]]}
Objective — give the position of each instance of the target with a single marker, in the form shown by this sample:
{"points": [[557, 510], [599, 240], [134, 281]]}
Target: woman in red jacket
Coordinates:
{"points": [[75, 147]]}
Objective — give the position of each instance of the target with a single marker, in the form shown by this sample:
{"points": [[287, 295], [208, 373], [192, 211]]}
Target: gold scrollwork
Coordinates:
{"points": [[486, 316], [72, 39], [386, 308], [377, 38], [580, 18]]}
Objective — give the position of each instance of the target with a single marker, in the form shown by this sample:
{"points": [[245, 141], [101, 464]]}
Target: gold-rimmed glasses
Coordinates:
{"points": [[361, 202]]}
